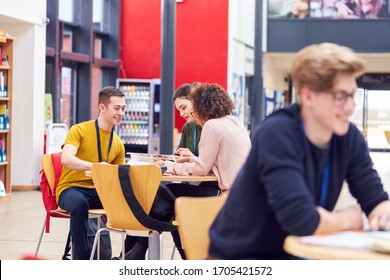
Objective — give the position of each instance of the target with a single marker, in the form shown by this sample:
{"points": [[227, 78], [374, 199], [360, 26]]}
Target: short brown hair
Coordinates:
{"points": [[318, 67], [106, 92], [210, 101]]}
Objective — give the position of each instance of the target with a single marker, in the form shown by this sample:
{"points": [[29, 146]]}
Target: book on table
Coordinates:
{"points": [[148, 158]]}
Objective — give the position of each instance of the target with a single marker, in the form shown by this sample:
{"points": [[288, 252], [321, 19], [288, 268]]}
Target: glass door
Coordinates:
{"points": [[372, 117], [359, 117], [378, 120]]}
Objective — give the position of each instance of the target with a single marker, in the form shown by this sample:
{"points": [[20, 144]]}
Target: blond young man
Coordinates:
{"points": [[299, 160]]}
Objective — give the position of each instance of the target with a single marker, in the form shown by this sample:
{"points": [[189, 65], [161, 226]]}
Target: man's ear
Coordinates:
{"points": [[306, 96], [102, 107]]}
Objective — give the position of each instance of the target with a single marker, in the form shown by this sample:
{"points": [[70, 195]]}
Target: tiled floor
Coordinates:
{"points": [[21, 220]]}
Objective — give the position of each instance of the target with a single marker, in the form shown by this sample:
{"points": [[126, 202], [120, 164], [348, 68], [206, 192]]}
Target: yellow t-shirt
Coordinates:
{"points": [[83, 137]]}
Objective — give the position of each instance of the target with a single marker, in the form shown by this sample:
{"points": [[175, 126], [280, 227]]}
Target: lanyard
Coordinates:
{"points": [[325, 176], [98, 141], [195, 140], [325, 182]]}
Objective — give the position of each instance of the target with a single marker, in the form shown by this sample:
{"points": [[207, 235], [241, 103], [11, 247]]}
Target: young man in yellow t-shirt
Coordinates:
{"points": [[89, 142]]}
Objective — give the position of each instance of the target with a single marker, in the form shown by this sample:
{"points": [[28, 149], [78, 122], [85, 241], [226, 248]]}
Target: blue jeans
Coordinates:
{"points": [[77, 201]]}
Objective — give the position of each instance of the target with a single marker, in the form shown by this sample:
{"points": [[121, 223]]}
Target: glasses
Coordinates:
{"points": [[340, 97]]}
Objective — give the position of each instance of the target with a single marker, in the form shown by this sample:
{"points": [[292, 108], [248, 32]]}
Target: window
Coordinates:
{"points": [[65, 10], [67, 100], [98, 14], [83, 57]]}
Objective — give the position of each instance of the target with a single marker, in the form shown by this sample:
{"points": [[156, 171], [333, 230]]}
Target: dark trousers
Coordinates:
{"points": [[77, 201], [205, 189]]}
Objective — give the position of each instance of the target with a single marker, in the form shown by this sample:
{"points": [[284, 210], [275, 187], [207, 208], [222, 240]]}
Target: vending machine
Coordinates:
{"points": [[139, 130]]}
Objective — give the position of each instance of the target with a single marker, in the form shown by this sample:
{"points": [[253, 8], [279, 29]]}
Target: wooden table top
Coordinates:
{"points": [[293, 246]]}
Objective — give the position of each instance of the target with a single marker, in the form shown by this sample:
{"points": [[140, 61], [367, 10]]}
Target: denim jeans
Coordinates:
{"points": [[77, 201]]}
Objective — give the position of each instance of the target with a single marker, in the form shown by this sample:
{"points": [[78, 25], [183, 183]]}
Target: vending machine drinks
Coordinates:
{"points": [[139, 129]]}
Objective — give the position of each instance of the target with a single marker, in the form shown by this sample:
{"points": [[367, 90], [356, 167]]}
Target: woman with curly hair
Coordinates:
{"points": [[223, 147]]}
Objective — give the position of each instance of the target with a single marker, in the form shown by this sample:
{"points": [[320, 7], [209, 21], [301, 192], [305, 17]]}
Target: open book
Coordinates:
{"points": [[149, 158]]}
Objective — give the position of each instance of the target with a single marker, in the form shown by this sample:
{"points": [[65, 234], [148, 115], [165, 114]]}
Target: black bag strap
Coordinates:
{"points": [[136, 208]]}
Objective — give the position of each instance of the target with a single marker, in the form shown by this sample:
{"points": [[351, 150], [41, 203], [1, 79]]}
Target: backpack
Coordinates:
{"points": [[48, 194], [105, 240], [50, 203]]}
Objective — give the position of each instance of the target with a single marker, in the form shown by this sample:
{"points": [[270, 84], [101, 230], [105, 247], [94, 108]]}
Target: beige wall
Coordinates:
{"points": [[273, 75]]}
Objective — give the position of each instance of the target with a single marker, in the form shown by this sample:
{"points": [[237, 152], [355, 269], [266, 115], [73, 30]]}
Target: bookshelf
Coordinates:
{"points": [[6, 78]]}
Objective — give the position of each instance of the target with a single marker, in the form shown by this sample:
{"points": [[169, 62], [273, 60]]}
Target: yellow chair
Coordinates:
{"points": [[48, 168], [194, 216], [387, 134], [145, 180]]}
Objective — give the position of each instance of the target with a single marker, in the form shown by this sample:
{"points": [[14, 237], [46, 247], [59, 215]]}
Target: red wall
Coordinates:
{"points": [[201, 41], [140, 38]]}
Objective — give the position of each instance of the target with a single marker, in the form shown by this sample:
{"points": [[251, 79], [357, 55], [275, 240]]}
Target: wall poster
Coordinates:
{"points": [[335, 9], [237, 95]]}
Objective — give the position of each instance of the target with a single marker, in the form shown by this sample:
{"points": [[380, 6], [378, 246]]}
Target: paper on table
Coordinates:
{"points": [[136, 162], [346, 239], [381, 245], [150, 158]]}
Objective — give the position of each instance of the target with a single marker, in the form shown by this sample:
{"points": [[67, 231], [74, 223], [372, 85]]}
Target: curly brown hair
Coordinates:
{"points": [[210, 101]]}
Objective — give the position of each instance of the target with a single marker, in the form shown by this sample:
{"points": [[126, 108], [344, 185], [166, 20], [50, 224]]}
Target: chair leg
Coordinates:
{"points": [[155, 246], [40, 237], [95, 241], [123, 246], [160, 236], [98, 245], [173, 252], [68, 247]]}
